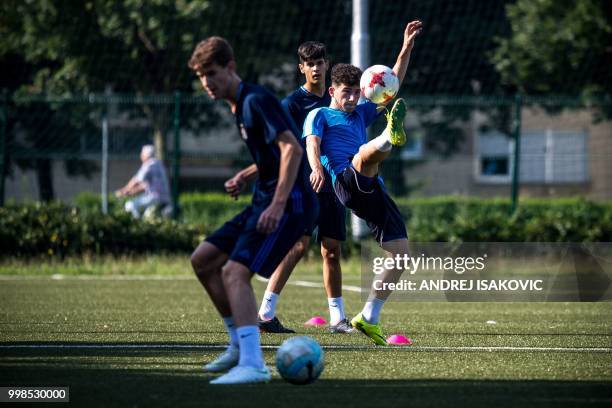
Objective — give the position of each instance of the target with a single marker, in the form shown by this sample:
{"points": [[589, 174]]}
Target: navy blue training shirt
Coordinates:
{"points": [[260, 118], [298, 104]]}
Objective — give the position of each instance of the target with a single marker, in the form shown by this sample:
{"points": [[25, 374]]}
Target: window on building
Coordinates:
{"points": [[547, 156], [493, 159]]}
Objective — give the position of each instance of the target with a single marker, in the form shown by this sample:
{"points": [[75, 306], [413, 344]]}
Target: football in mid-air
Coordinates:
{"points": [[299, 360], [379, 84]]}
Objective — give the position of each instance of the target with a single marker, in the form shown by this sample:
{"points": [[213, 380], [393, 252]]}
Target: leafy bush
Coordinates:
{"points": [[57, 229], [453, 219], [210, 210]]}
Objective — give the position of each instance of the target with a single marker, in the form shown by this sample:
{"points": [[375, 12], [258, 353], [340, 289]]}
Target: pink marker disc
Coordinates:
{"points": [[316, 321], [399, 340]]}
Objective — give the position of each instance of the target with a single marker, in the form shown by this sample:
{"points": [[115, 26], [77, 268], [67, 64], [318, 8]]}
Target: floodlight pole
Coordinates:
{"points": [[176, 155], [104, 181], [360, 37], [3, 127], [360, 57], [518, 105]]}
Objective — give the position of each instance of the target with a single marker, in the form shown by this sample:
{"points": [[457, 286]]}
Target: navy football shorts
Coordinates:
{"points": [[332, 218], [262, 253], [368, 199]]}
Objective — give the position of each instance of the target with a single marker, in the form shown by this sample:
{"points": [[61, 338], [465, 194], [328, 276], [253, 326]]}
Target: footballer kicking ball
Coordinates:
{"points": [[379, 84], [299, 360]]}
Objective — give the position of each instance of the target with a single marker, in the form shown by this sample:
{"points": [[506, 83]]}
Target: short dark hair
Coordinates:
{"points": [[345, 74], [311, 50], [211, 50]]}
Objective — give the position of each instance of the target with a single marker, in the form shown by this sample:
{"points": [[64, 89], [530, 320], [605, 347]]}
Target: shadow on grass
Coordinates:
{"points": [[106, 377]]}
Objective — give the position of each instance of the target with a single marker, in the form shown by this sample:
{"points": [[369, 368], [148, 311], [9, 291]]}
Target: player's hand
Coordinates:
{"points": [[234, 186], [412, 30], [269, 219], [317, 179]]}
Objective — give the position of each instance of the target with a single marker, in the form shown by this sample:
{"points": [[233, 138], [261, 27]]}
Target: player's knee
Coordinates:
{"points": [[358, 161], [202, 262], [330, 250], [231, 274], [299, 249], [363, 150], [366, 154], [197, 264]]}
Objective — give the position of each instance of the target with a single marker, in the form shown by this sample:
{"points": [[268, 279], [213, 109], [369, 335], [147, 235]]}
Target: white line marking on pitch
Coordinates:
{"points": [[308, 284], [327, 347], [100, 277], [302, 283]]}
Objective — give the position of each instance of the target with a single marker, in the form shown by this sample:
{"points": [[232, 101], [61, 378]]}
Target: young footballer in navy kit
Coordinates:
{"points": [[283, 208], [331, 228]]}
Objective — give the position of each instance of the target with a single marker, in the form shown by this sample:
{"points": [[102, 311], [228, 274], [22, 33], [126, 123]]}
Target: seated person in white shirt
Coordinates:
{"points": [[149, 185]]}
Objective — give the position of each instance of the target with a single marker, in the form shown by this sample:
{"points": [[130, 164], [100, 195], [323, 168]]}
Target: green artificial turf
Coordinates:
{"points": [[175, 329]]}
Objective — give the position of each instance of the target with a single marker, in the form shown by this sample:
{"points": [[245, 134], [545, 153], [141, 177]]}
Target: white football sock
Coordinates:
{"points": [[250, 347], [231, 330], [267, 310], [336, 310], [371, 310], [383, 142]]}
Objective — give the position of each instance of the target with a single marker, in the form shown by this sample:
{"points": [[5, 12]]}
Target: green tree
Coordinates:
{"points": [[141, 47], [34, 126], [130, 46], [135, 47], [557, 47]]}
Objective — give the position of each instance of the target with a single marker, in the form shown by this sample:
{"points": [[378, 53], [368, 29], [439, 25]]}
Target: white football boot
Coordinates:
{"points": [[227, 360], [244, 375]]}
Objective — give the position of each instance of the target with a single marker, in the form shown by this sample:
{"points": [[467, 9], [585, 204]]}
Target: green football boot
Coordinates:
{"points": [[395, 123], [373, 331]]}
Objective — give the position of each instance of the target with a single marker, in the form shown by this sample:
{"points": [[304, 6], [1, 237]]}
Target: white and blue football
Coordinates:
{"points": [[299, 360]]}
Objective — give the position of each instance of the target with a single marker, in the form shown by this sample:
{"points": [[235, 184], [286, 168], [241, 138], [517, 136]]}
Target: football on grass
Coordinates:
{"points": [[299, 360]]}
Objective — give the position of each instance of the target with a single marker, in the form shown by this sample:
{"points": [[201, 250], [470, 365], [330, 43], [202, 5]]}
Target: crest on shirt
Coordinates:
{"points": [[243, 132]]}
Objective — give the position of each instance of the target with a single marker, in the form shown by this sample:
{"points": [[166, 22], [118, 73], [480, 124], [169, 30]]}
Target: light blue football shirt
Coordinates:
{"points": [[341, 134]]}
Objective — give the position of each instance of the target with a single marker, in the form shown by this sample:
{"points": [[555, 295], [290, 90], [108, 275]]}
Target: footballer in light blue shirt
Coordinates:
{"points": [[336, 141]]}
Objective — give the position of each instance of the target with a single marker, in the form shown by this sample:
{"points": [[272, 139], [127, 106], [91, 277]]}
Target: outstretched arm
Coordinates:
{"points": [[412, 30]]}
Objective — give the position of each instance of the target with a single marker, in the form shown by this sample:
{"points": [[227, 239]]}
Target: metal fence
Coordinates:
{"points": [[57, 147]]}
